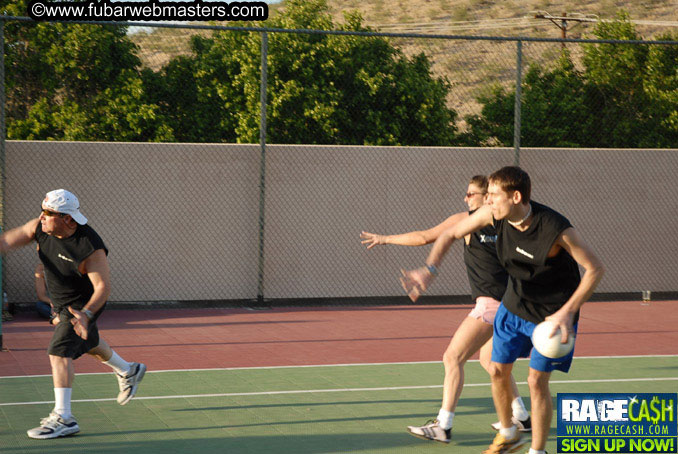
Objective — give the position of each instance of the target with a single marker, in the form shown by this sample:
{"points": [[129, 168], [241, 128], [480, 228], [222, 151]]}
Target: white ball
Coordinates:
{"points": [[550, 346]]}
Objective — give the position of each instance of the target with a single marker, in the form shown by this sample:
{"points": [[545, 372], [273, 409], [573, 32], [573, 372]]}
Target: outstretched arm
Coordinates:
{"points": [[18, 237], [415, 238], [415, 282], [593, 273]]}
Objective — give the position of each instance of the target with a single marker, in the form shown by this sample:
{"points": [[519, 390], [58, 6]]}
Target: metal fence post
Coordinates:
{"points": [[2, 161], [262, 169], [517, 106]]}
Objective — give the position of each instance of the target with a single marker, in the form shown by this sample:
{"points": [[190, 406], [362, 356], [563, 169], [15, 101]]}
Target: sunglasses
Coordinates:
{"points": [[52, 213], [471, 194]]}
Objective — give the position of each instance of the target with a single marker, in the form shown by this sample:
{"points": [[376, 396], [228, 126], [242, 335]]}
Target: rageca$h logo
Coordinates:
{"points": [[645, 410]]}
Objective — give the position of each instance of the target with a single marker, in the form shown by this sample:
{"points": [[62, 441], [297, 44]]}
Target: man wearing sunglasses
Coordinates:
{"points": [[78, 277], [488, 283], [542, 253]]}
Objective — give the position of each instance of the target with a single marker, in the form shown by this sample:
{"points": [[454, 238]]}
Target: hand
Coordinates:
{"points": [[80, 322], [563, 320], [371, 239], [415, 282]]}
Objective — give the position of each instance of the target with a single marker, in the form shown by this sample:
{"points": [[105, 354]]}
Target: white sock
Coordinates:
{"points": [[519, 410], [62, 402], [509, 433], [445, 418], [534, 451], [118, 364]]}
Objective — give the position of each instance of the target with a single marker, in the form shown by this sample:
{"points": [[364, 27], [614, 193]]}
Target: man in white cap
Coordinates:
{"points": [[78, 278]]}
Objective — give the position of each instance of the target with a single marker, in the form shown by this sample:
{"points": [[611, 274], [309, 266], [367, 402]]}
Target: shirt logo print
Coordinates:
{"points": [[63, 257], [525, 253]]}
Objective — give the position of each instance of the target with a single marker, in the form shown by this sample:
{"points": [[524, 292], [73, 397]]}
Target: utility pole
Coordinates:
{"points": [[562, 21]]}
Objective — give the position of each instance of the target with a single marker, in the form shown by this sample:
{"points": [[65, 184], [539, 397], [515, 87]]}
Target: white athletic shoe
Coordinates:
{"points": [[130, 383], [431, 431], [523, 426], [54, 426]]}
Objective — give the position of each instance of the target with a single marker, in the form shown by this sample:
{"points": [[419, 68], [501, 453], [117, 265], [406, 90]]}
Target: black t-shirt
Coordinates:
{"points": [[61, 258], [538, 285], [485, 274]]}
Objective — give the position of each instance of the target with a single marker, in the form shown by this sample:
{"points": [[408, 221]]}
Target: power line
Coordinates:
{"points": [[518, 22]]}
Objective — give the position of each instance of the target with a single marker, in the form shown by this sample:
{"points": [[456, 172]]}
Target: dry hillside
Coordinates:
{"points": [[470, 66], [504, 18]]}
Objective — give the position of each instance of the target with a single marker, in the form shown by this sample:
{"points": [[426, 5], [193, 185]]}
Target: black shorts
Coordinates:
{"points": [[65, 341]]}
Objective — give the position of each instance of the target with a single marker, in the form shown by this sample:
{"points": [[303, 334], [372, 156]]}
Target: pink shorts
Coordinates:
{"points": [[486, 309]]}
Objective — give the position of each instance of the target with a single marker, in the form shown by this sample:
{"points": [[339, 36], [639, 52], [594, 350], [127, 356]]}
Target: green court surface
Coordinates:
{"points": [[316, 409]]}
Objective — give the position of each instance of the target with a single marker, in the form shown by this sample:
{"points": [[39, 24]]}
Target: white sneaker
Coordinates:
{"points": [[130, 383], [54, 426], [431, 431], [523, 426]]}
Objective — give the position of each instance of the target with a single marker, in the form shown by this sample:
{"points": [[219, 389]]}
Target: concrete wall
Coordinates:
{"points": [[182, 220]]}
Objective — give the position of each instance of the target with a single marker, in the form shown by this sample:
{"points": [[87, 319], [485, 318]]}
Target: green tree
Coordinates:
{"points": [[552, 111], [322, 89], [661, 85], [75, 82], [625, 96], [630, 88]]}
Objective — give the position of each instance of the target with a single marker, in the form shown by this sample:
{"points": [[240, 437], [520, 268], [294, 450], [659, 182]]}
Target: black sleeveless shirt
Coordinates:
{"points": [[485, 274], [538, 285], [61, 258]]}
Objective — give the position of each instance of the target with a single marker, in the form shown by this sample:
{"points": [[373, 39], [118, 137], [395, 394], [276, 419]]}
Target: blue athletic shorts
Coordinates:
{"points": [[513, 340]]}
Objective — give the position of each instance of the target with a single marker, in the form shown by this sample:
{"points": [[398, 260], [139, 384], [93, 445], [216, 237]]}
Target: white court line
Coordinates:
{"points": [[339, 390], [331, 365]]}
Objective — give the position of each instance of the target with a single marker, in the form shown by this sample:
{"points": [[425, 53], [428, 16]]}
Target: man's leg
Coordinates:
{"points": [[129, 375], [500, 374], [469, 337], [508, 440], [63, 374], [520, 414], [63, 371], [542, 408], [60, 421]]}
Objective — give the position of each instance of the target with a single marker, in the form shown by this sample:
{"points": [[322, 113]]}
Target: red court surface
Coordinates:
{"points": [[218, 338]]}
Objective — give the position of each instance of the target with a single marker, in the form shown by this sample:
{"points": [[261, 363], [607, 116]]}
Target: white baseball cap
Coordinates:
{"points": [[65, 202]]}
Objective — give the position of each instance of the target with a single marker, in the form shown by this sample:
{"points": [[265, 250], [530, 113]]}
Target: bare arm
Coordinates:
{"points": [[481, 218], [593, 273], [98, 272], [18, 237], [415, 238], [415, 282], [40, 287]]}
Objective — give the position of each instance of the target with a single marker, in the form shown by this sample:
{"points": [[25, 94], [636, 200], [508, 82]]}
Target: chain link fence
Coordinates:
{"points": [[361, 131]]}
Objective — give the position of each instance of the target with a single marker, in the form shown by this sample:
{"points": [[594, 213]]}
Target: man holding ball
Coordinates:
{"points": [[540, 250]]}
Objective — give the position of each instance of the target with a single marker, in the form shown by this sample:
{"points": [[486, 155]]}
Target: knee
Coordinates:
{"points": [[538, 382], [59, 362], [498, 371], [451, 359]]}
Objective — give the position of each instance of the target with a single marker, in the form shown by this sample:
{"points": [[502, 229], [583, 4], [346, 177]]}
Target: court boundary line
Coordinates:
{"points": [[218, 369], [336, 390]]}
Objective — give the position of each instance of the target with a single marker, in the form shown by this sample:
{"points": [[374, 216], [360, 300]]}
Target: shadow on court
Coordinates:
{"points": [[271, 442], [469, 406], [312, 404]]}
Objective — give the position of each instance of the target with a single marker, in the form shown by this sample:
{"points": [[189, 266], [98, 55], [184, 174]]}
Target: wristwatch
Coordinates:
{"points": [[432, 269], [88, 314]]}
